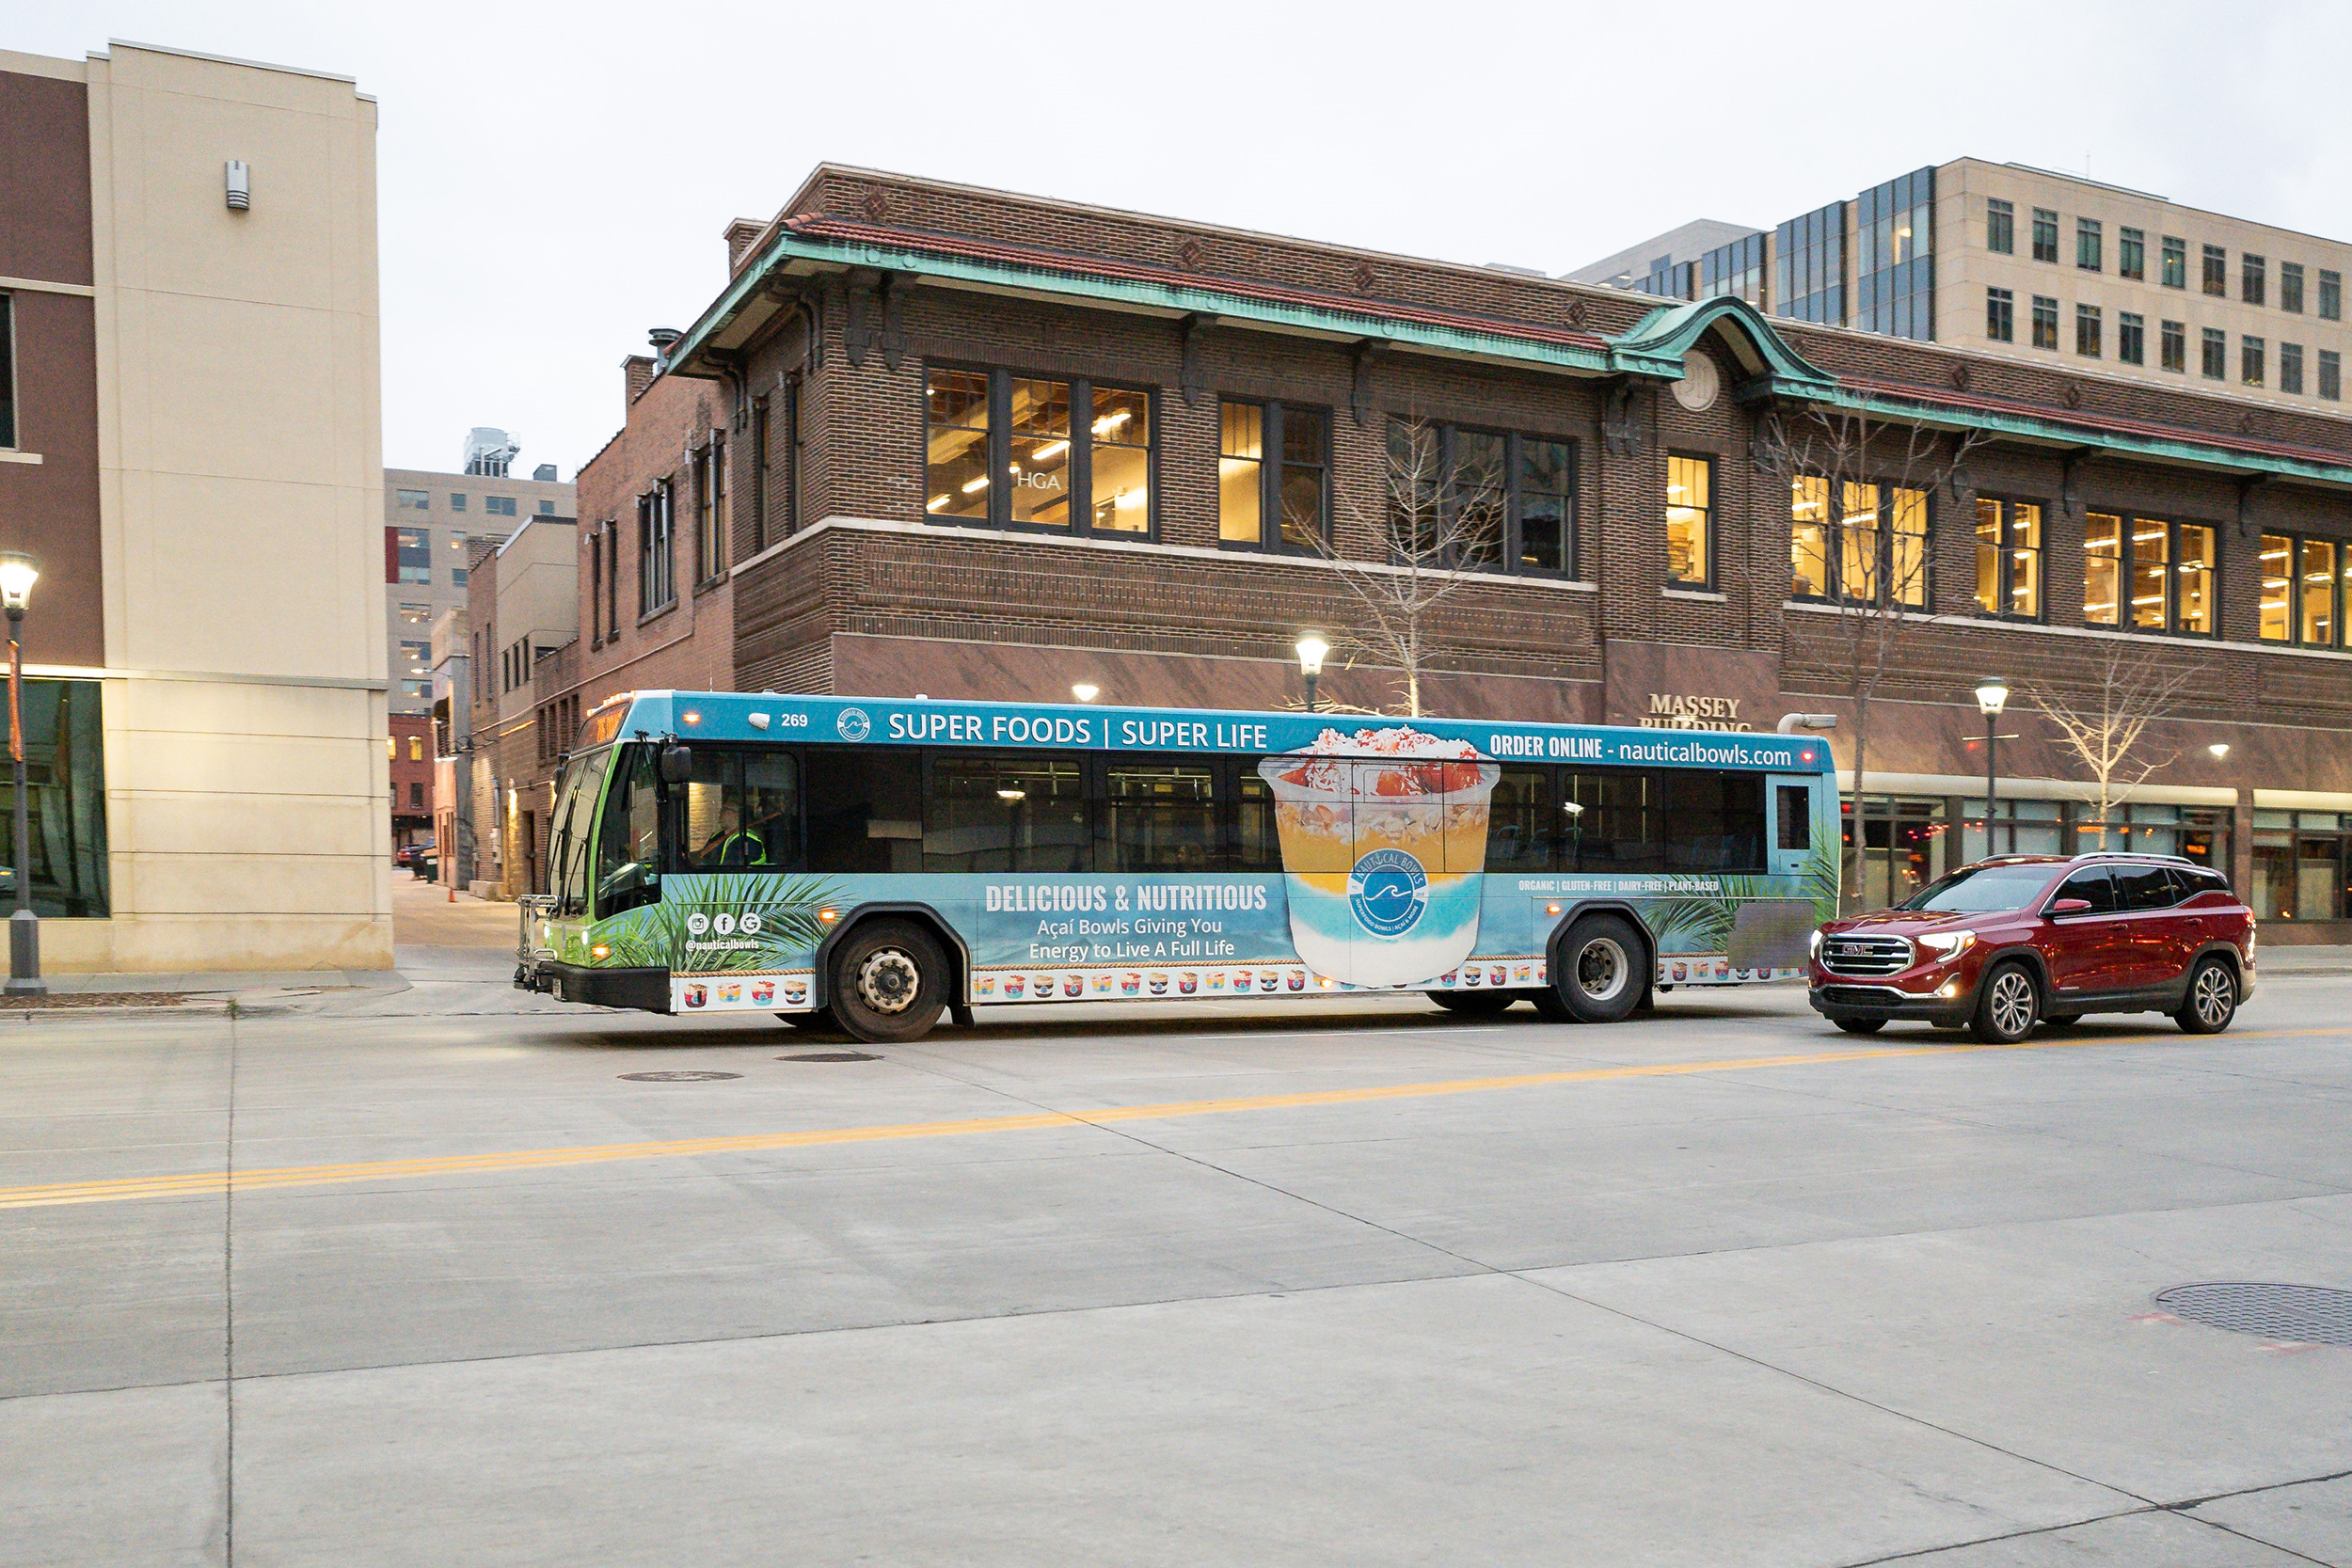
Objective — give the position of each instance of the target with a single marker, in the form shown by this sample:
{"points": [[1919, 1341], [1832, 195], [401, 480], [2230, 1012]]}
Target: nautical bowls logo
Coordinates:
{"points": [[1388, 892], [854, 724]]}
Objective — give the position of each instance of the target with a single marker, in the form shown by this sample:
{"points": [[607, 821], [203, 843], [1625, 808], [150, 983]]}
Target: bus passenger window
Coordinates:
{"points": [[1796, 818], [1160, 817], [1005, 813], [1713, 821], [864, 810], [742, 812], [1616, 821], [1520, 825], [1255, 844]]}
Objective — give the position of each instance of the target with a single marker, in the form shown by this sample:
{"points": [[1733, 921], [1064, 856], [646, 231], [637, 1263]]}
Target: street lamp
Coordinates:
{"points": [[1086, 692], [17, 577], [2220, 748], [1312, 650], [1992, 696]]}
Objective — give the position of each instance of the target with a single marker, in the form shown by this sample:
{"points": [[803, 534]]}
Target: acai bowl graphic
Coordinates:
{"points": [[1384, 844]]}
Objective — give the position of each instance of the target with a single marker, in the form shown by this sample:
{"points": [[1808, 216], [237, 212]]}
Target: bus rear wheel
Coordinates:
{"points": [[1597, 977], [889, 982], [1471, 1004]]}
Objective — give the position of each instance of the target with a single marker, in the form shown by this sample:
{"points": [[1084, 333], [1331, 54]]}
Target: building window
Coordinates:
{"points": [[2009, 557], [2131, 338], [1028, 452], [2291, 287], [2175, 262], [413, 501], [2249, 360], [1690, 521], [710, 509], [2216, 360], [612, 578], [2330, 295], [2251, 276], [2044, 234], [1273, 476], [2174, 347], [547, 509], [2304, 586], [1810, 266], [2290, 367], [1499, 501], [2000, 227], [2330, 374], [2216, 272], [498, 506], [1895, 257], [457, 500], [656, 553], [413, 549], [416, 748], [2149, 574], [2131, 255], [416, 657], [416, 615], [2001, 315], [2086, 245], [1736, 270], [7, 371], [2045, 318], [596, 589], [1854, 553], [2086, 331]]}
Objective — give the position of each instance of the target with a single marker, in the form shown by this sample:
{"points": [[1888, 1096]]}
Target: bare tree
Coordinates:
{"points": [[1859, 541], [2102, 724], [1437, 523]]}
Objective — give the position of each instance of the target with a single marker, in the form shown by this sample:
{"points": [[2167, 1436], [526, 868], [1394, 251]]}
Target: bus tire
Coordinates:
{"points": [[889, 982], [1598, 976], [1471, 1004]]}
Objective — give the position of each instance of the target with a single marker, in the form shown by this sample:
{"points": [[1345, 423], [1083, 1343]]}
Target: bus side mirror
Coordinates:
{"points": [[677, 763]]}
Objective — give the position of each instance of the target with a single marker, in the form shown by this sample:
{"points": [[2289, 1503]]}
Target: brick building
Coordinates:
{"points": [[411, 746], [936, 439]]}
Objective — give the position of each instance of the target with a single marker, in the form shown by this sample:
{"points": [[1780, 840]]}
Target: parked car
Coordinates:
{"points": [[410, 855], [2006, 944]]}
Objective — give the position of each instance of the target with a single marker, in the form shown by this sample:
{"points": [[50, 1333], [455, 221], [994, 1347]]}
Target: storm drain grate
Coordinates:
{"points": [[831, 1056], [2304, 1314], [677, 1077]]}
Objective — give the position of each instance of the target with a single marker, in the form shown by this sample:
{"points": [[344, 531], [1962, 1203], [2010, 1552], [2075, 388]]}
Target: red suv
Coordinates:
{"points": [[2021, 940]]}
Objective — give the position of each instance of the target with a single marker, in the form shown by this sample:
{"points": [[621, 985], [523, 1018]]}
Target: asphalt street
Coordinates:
{"points": [[391, 1277]]}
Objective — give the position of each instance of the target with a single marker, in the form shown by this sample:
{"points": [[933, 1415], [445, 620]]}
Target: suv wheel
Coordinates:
{"points": [[2009, 1006], [889, 982], [1598, 977], [2212, 999]]}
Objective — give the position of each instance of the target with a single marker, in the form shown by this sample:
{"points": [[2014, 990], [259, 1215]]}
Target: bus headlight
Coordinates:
{"points": [[1948, 945]]}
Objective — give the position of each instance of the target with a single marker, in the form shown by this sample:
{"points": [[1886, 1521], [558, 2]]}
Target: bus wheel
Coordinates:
{"points": [[1597, 977], [1471, 1004], [889, 982], [818, 1022]]}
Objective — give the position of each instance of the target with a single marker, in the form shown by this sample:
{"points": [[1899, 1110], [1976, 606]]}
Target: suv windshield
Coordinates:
{"points": [[1982, 890]]}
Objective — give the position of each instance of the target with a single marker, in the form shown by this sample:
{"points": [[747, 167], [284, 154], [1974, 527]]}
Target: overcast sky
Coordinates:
{"points": [[555, 178]]}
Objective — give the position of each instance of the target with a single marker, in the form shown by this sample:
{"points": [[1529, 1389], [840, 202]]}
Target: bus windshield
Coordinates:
{"points": [[1982, 890]]}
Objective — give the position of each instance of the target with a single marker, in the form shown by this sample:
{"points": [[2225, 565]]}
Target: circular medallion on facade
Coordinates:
{"points": [[1388, 891], [854, 724], [1701, 383]]}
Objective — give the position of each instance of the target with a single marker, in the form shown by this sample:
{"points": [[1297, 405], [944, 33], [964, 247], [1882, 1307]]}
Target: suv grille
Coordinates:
{"points": [[1873, 956]]}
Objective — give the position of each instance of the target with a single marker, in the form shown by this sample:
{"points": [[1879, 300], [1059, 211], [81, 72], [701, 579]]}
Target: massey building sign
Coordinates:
{"points": [[1679, 710]]}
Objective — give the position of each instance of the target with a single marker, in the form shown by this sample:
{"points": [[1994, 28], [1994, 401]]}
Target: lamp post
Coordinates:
{"points": [[17, 575], [1992, 696], [1312, 650]]}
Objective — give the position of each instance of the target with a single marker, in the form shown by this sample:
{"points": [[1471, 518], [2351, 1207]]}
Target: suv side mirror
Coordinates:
{"points": [[677, 763], [2070, 906]]}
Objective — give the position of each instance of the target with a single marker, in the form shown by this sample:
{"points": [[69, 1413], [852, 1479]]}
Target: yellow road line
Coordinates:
{"points": [[202, 1183]]}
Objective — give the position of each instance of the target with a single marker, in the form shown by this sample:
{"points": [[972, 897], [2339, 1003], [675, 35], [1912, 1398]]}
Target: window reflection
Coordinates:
{"points": [[2103, 569], [2319, 593], [1908, 562], [1240, 473], [2193, 581], [1120, 492], [1038, 474], [2149, 577], [2277, 579], [1808, 536], [1858, 558]]}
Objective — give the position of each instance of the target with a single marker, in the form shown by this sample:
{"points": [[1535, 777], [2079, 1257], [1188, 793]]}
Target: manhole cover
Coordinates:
{"points": [[2305, 1314], [831, 1056], [677, 1077]]}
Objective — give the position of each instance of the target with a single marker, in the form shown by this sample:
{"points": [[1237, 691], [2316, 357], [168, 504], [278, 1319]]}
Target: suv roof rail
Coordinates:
{"points": [[2134, 855]]}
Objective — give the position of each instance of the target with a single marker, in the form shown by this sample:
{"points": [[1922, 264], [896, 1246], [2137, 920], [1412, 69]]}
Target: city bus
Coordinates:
{"points": [[867, 864]]}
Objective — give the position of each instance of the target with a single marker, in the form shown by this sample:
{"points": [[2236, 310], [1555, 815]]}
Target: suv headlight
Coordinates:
{"points": [[1815, 949], [1949, 944]]}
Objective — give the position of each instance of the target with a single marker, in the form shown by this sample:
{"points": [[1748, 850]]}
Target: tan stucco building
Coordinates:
{"points": [[188, 261]]}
